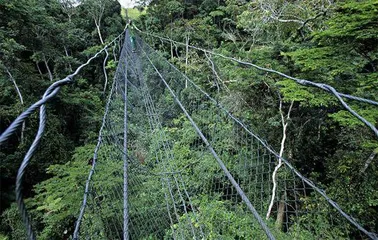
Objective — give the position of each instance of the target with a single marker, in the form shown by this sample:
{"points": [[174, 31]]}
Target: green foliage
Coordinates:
{"points": [[57, 200], [212, 218], [336, 45], [12, 220], [40, 42], [346, 119], [294, 92], [354, 22], [2, 237], [132, 13]]}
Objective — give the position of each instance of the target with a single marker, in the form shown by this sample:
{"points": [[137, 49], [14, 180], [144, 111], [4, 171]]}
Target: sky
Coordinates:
{"points": [[128, 3]]}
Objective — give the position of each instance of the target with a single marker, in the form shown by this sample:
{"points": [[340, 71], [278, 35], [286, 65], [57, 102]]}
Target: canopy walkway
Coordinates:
{"points": [[171, 162]]}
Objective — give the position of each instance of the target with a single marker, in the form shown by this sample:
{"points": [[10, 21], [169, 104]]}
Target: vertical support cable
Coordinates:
{"points": [[125, 196], [211, 149], [99, 141]]}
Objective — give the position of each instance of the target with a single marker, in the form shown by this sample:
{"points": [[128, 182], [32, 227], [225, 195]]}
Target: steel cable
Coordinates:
{"points": [[303, 82], [220, 162], [306, 180], [48, 95]]}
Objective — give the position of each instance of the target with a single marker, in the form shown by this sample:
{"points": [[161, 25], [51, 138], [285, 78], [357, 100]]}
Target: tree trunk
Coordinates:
{"points": [[39, 70], [48, 68], [369, 160], [69, 64], [186, 57], [285, 123], [20, 97], [218, 80], [97, 23], [104, 69], [280, 213], [99, 31]]}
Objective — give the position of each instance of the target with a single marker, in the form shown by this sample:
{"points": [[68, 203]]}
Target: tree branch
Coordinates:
{"points": [[312, 19], [39, 70], [104, 69], [97, 20], [286, 20], [15, 85], [369, 160], [20, 96], [186, 57], [285, 122], [67, 55], [218, 79], [48, 68]]}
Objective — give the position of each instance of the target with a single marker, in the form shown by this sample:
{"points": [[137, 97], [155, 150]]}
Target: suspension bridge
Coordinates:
{"points": [[171, 162]]}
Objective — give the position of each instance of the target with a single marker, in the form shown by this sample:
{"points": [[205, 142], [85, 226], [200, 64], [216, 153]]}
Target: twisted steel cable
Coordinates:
{"points": [[51, 91], [352, 220], [303, 82]]}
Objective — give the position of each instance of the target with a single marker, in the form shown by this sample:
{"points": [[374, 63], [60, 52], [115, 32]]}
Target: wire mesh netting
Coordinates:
{"points": [[176, 188]]}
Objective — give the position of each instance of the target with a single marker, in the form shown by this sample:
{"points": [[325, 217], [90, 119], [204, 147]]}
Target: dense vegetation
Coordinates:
{"points": [[322, 41], [41, 42]]}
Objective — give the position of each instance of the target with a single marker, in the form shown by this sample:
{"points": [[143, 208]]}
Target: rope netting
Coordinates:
{"points": [[174, 163]]}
